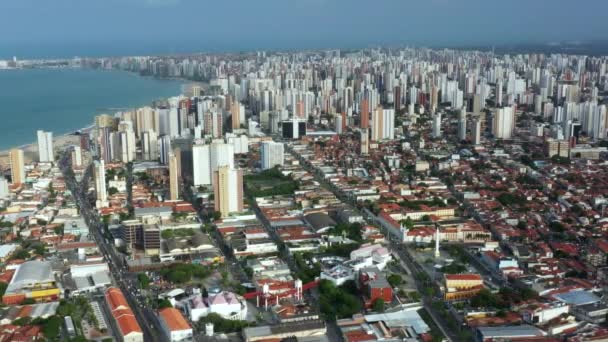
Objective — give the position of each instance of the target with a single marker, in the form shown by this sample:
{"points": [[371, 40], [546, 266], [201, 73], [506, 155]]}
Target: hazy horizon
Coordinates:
{"points": [[64, 28]]}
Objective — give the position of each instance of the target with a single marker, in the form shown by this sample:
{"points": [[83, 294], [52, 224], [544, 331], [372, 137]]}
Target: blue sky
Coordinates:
{"points": [[166, 26]]}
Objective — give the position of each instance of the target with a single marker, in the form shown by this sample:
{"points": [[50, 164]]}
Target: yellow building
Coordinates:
{"points": [[228, 190], [17, 166], [462, 286]]}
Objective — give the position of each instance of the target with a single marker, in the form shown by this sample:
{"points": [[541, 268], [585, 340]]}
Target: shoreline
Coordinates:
{"points": [[70, 138], [60, 142]]}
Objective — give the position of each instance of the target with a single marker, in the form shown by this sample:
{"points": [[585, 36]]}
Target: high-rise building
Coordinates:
{"points": [[364, 132], [4, 190], [222, 154], [127, 147], [240, 143], [397, 95], [503, 123], [555, 147], [17, 166], [238, 111], [149, 145], [173, 178], [293, 128], [365, 113], [164, 148], [477, 131], [146, 119], [228, 190], [76, 156], [45, 146], [213, 124], [201, 164], [462, 124], [383, 124], [100, 183], [436, 125], [271, 154], [476, 104], [338, 123]]}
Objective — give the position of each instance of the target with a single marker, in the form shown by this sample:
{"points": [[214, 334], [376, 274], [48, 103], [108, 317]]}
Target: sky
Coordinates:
{"points": [[48, 28]]}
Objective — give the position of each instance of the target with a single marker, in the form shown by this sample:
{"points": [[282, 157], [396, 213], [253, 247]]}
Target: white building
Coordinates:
{"points": [[76, 156], [100, 183], [239, 143], [225, 304], [174, 325], [271, 154], [504, 123], [4, 191], [45, 146], [220, 154], [201, 164]]}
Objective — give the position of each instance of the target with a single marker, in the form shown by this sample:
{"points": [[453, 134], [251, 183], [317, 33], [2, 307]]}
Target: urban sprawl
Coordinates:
{"points": [[373, 195]]}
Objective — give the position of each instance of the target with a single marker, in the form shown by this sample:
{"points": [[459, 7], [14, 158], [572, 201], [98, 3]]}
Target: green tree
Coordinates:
{"points": [[378, 305], [394, 280], [112, 191], [143, 280], [164, 303]]}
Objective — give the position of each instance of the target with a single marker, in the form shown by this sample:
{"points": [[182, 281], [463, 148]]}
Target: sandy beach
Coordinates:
{"points": [[30, 151]]}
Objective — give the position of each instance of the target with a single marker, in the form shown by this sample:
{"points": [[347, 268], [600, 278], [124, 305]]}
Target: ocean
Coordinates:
{"points": [[65, 100]]}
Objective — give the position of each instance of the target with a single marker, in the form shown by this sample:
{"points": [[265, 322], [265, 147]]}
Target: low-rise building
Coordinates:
{"points": [[174, 325]]}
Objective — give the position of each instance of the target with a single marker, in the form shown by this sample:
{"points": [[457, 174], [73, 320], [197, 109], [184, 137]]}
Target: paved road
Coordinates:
{"points": [[400, 249], [122, 278]]}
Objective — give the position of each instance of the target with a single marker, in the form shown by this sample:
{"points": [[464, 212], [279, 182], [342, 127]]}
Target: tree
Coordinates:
{"points": [[166, 234], [143, 280], [217, 215], [378, 305], [22, 254], [394, 279], [112, 191], [3, 287], [164, 303]]}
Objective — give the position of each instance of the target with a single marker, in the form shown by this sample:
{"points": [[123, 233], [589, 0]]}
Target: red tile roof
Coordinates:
{"points": [[174, 319]]}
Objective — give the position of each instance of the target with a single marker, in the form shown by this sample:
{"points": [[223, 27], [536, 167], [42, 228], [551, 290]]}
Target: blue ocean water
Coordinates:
{"points": [[64, 100]]}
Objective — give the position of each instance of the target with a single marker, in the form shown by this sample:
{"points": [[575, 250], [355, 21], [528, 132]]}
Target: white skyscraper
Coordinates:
{"points": [[100, 183], [462, 124], [503, 123], [149, 145], [45, 146], [437, 125], [271, 154], [127, 146], [477, 131], [201, 164], [221, 154], [4, 191]]}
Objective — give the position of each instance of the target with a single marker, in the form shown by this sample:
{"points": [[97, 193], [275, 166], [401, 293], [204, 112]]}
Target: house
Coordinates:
{"points": [[174, 325], [375, 286]]}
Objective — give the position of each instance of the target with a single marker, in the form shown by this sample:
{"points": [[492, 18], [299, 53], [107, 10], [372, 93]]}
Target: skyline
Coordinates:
{"points": [[68, 28]]}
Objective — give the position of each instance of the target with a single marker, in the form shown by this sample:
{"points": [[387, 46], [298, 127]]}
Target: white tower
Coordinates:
{"points": [[437, 241], [298, 286]]}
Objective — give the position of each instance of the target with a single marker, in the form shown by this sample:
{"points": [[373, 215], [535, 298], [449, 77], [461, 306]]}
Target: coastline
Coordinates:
{"points": [[60, 142], [65, 139]]}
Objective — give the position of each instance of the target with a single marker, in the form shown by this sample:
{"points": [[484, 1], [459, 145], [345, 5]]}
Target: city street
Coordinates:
{"points": [[118, 270]]}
